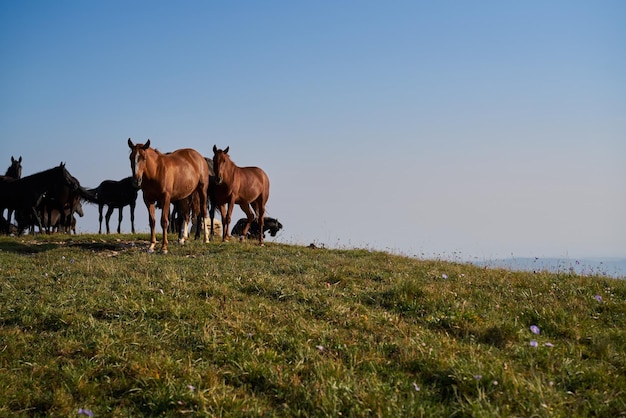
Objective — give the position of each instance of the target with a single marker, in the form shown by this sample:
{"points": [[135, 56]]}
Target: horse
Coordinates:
{"points": [[13, 172], [246, 186], [63, 199], [269, 224], [116, 194], [28, 192], [70, 220], [164, 178]]}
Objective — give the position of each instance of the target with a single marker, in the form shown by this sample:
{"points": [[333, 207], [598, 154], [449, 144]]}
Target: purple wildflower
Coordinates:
{"points": [[444, 275], [478, 376], [533, 343], [598, 298], [417, 388], [548, 344], [534, 329], [87, 412]]}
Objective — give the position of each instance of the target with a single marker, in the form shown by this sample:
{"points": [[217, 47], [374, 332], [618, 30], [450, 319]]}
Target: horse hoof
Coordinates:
{"points": [[150, 250], [164, 251]]}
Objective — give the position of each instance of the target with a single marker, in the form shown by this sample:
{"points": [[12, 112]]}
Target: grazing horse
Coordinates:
{"points": [[245, 186], [27, 193], [269, 224], [116, 194], [13, 172], [166, 178]]}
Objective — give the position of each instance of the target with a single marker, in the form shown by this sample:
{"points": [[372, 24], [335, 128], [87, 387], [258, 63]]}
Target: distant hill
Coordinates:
{"points": [[609, 267]]}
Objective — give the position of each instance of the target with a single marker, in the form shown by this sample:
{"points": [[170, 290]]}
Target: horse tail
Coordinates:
{"points": [[88, 195]]}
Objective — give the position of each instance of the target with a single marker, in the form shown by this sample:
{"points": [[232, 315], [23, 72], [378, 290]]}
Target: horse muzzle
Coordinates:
{"points": [[137, 182]]}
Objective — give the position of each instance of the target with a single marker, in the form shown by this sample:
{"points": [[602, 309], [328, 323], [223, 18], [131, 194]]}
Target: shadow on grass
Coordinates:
{"points": [[34, 247], [25, 248]]}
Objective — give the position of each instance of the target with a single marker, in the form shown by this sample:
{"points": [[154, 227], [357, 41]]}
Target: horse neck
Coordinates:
{"points": [[229, 169], [42, 181], [13, 172], [154, 159]]}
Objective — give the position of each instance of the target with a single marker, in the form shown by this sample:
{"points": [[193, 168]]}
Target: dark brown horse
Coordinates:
{"points": [[246, 186], [165, 178]]}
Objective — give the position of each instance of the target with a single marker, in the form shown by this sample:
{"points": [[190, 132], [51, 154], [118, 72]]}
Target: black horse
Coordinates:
{"points": [[27, 193], [269, 224], [64, 199], [115, 194], [13, 172]]}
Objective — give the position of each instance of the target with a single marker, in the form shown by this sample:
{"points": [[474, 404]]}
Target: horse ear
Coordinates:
{"points": [[214, 149], [130, 144], [146, 145], [20, 160], [226, 150]]}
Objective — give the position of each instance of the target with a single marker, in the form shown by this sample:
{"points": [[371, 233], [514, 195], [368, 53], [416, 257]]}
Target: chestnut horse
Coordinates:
{"points": [[245, 186], [165, 178]]}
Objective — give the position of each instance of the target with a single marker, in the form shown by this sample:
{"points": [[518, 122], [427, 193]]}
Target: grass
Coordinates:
{"points": [[95, 322]]}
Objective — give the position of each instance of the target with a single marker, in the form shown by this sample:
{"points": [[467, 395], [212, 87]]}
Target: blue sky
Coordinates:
{"points": [[482, 128]]}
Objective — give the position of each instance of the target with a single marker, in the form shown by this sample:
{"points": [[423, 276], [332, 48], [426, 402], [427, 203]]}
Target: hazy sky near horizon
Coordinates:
{"points": [[484, 129]]}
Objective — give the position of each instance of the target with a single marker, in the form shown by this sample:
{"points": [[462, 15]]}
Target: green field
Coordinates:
{"points": [[96, 324]]}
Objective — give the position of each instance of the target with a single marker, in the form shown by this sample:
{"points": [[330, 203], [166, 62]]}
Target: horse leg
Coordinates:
{"points": [[110, 210], [260, 210], [100, 217], [183, 220], [132, 216], [202, 210], [36, 218], [152, 223], [226, 220], [211, 217], [165, 216], [250, 216], [119, 220]]}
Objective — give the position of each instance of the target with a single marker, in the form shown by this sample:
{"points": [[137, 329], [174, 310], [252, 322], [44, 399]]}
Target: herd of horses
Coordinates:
{"points": [[184, 179]]}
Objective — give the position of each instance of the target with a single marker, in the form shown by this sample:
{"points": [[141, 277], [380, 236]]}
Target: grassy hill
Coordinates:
{"points": [[96, 324]]}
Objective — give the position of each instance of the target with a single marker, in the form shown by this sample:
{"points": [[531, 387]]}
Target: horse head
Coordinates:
{"points": [[138, 160], [220, 161], [15, 170]]}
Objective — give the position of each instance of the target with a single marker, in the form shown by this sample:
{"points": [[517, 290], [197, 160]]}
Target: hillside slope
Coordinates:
{"points": [[96, 323]]}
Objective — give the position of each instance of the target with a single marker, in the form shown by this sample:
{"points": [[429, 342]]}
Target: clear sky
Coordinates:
{"points": [[477, 129]]}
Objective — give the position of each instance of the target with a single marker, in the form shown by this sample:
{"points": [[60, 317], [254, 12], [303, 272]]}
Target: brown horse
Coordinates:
{"points": [[165, 178], [245, 186]]}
